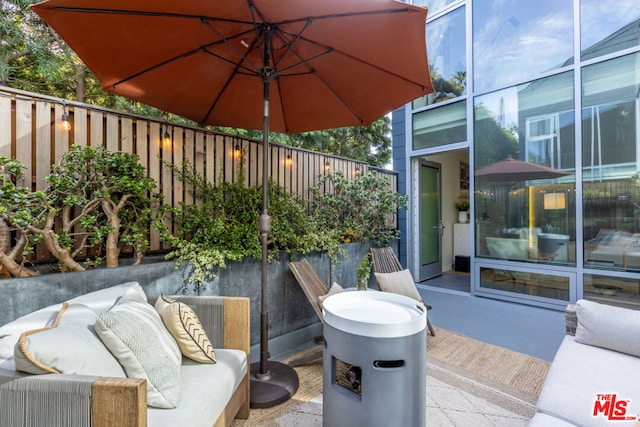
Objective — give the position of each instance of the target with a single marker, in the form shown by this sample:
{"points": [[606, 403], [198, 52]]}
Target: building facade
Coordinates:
{"points": [[535, 121]]}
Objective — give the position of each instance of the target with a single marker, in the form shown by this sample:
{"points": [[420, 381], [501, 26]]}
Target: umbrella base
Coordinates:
{"points": [[277, 386]]}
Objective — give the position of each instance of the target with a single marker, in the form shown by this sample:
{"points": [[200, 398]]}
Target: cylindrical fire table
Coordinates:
{"points": [[374, 360]]}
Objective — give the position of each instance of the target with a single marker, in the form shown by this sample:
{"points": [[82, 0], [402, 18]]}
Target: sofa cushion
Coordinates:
{"points": [[134, 333], [205, 391], [185, 327], [99, 301], [398, 282], [68, 346], [578, 373], [608, 327]]}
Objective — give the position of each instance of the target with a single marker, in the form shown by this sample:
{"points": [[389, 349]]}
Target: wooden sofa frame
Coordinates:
{"points": [[122, 402]]}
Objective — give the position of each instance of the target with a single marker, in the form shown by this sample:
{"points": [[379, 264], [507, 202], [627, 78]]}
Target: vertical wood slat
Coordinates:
{"points": [[5, 126], [166, 148], [95, 134], [126, 135], [219, 159], [23, 140], [228, 154], [61, 135], [189, 156], [80, 126], [200, 157], [210, 158], [178, 155], [43, 143], [153, 171], [112, 137]]}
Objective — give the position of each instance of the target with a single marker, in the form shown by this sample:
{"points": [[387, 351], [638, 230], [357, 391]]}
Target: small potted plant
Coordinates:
{"points": [[463, 208], [363, 272]]}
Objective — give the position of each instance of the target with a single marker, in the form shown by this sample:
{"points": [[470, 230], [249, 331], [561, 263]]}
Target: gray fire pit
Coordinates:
{"points": [[374, 360]]}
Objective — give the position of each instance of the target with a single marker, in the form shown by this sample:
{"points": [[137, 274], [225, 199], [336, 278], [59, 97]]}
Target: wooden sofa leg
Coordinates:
{"points": [[120, 402], [243, 412]]}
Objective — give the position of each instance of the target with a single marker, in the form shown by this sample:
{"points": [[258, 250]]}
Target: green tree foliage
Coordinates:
{"points": [[360, 209], [223, 225], [95, 199]]}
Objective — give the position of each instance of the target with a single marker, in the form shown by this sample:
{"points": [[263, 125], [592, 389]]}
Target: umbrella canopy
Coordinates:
{"points": [[277, 65], [333, 63], [512, 170]]}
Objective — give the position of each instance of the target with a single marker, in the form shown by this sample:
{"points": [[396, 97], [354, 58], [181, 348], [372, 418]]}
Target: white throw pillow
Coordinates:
{"points": [[398, 282], [606, 326], [68, 346], [134, 333], [185, 327]]}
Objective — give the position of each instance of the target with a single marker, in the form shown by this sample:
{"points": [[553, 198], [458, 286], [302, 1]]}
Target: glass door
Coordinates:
{"points": [[430, 221]]}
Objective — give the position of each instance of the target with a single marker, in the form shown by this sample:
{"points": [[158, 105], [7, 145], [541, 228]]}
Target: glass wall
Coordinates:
{"points": [[446, 47], [611, 185], [608, 27], [524, 172], [513, 40]]}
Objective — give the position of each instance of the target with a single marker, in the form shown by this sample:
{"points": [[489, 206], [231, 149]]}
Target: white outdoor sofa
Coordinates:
{"points": [[597, 365]]}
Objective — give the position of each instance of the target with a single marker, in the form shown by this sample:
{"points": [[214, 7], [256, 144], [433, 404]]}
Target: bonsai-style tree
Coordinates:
{"points": [[104, 193], [96, 200], [16, 207]]}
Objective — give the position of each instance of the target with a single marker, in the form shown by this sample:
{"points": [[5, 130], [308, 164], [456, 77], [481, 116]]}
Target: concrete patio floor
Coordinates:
{"points": [[535, 331]]}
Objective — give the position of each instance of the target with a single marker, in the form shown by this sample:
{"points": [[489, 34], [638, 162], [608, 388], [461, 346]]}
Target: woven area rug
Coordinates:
{"points": [[502, 377]]}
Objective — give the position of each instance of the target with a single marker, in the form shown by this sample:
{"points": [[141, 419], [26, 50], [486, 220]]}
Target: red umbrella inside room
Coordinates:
{"points": [[275, 65]]}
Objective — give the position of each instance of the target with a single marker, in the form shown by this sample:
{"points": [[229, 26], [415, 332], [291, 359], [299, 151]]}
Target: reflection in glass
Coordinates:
{"points": [[433, 5], [446, 49], [612, 290], [529, 216], [517, 39], [440, 126], [611, 184], [541, 285], [607, 28]]}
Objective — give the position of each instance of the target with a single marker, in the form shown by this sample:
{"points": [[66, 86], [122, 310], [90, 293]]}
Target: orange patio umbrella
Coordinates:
{"points": [[278, 65]]}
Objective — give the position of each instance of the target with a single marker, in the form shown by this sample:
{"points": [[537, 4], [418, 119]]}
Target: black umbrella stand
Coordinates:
{"points": [[272, 382]]}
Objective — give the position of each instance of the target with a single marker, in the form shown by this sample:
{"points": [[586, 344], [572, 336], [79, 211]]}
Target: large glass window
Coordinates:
{"points": [[541, 285], [610, 146], [524, 173], [514, 39], [607, 27], [446, 49], [433, 5], [440, 126], [612, 290]]}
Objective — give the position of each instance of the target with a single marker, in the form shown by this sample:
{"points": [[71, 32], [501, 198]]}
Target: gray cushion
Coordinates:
{"points": [[133, 331], [398, 282], [68, 346], [578, 373], [607, 326]]}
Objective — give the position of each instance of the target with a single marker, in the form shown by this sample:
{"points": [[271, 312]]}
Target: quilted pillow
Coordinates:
{"points": [[134, 333], [185, 327], [398, 282], [68, 346]]}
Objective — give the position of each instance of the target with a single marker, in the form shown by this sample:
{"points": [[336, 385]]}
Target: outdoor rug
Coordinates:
{"points": [[468, 381]]}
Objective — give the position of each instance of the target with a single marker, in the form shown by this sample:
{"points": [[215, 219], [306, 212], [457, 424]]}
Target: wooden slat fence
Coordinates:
{"points": [[31, 131]]}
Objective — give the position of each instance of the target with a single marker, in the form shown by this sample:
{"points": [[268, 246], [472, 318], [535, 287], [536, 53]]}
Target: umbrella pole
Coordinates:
{"points": [[272, 382]]}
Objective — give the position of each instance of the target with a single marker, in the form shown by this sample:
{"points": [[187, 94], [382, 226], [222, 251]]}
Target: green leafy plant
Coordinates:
{"points": [[462, 205], [96, 200], [360, 209], [222, 225]]}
